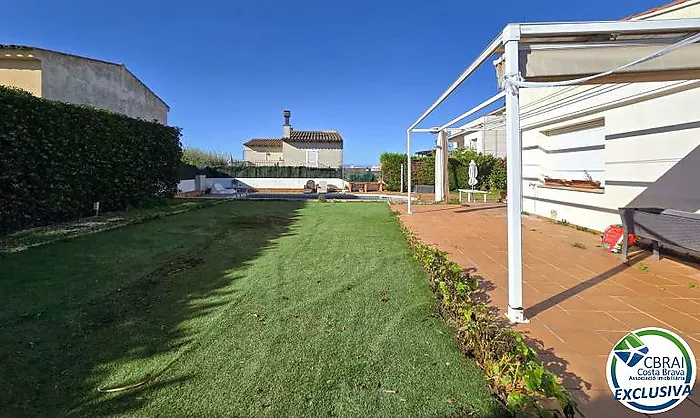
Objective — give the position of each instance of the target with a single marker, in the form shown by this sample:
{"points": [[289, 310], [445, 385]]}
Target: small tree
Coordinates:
{"points": [[498, 177]]}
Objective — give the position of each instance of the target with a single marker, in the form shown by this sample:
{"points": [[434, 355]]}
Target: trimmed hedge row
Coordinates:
{"points": [[491, 173], [57, 159], [391, 170], [188, 171]]}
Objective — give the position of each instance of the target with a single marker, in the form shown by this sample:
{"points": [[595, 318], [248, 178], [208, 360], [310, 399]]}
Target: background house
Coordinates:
{"points": [[296, 148], [485, 135], [640, 140], [78, 80]]}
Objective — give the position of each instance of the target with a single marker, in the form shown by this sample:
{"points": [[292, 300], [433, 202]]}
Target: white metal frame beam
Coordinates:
{"points": [[473, 110], [485, 54]]}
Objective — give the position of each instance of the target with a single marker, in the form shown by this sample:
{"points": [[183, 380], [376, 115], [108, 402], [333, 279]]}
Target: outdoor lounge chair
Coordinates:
{"points": [[310, 187], [217, 188], [664, 227]]}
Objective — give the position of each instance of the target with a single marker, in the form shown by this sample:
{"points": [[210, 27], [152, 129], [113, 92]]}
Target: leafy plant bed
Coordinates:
{"points": [[511, 366]]}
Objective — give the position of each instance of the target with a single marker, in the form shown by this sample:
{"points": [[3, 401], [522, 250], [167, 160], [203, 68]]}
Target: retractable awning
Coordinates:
{"points": [[555, 62]]}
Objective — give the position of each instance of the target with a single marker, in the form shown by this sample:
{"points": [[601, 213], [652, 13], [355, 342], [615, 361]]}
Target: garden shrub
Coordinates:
{"points": [[511, 366], [423, 169], [497, 178], [57, 159], [391, 170]]}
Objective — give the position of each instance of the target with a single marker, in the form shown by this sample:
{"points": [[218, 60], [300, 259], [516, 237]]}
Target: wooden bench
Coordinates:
{"points": [[469, 194], [667, 227], [365, 185]]}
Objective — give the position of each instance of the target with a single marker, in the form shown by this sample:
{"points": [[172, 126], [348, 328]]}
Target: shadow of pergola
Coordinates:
{"points": [[560, 297]]}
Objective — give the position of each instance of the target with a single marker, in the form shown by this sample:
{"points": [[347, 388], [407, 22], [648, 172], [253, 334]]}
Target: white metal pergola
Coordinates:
{"points": [[604, 52]]}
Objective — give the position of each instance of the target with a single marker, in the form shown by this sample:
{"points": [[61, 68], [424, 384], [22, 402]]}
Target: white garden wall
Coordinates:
{"points": [[264, 183]]}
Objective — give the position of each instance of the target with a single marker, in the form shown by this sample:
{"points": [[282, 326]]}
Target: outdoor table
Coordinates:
{"points": [[469, 194]]}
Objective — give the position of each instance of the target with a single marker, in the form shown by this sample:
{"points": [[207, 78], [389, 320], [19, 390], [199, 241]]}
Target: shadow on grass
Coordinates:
{"points": [[55, 355]]}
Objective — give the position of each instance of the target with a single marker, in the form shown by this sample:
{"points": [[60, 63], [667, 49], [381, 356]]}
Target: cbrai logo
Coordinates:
{"points": [[651, 370]]}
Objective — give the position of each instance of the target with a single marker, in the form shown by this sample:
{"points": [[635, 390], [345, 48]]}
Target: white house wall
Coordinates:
{"points": [[329, 154], [291, 184], [650, 148], [492, 142], [687, 10], [256, 155]]}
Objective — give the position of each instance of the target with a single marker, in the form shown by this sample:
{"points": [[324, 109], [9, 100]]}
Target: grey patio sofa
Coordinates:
{"points": [[663, 227]]}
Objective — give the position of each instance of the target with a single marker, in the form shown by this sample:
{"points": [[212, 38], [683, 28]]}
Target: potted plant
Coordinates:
{"points": [[585, 184]]}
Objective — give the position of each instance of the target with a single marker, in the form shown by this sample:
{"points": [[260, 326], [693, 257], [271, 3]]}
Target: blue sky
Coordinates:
{"points": [[367, 68]]}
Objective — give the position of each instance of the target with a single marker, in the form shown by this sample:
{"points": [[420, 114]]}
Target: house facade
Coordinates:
{"points": [[84, 81], [485, 135], [640, 141], [296, 148]]}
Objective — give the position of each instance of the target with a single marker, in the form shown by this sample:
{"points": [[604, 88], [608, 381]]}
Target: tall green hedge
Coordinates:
{"points": [[490, 174], [391, 170], [188, 171], [56, 159]]}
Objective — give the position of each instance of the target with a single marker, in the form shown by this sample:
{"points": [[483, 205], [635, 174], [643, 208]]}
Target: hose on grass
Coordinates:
{"points": [[144, 380]]}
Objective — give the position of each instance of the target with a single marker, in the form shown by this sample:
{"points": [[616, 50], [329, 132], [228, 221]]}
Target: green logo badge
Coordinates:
{"points": [[651, 370]]}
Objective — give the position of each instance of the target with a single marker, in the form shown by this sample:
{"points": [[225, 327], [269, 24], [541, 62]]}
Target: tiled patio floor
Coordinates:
{"points": [[580, 299]]}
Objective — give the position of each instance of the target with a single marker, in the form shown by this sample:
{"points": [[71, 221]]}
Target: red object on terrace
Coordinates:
{"points": [[612, 238]]}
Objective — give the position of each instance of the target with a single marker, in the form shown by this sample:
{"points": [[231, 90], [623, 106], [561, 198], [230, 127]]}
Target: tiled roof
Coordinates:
{"points": [[315, 136], [297, 136], [655, 9], [264, 142]]}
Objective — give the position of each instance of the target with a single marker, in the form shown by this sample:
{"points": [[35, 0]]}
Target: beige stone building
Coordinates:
{"points": [[79, 80], [296, 148]]}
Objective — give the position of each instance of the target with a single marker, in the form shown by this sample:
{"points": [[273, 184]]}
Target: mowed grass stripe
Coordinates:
{"points": [[298, 309]]}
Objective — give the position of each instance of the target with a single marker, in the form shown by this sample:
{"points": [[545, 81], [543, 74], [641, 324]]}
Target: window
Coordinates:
{"points": [[312, 158], [574, 156]]}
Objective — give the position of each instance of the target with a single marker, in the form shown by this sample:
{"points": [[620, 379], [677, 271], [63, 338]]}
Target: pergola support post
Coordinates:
{"points": [[408, 167], [515, 313], [441, 158]]}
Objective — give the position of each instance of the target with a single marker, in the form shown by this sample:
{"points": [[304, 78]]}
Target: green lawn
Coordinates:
{"points": [[28, 238], [239, 309]]}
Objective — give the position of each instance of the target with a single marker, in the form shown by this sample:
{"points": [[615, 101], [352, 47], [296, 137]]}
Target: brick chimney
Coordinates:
{"points": [[287, 128]]}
